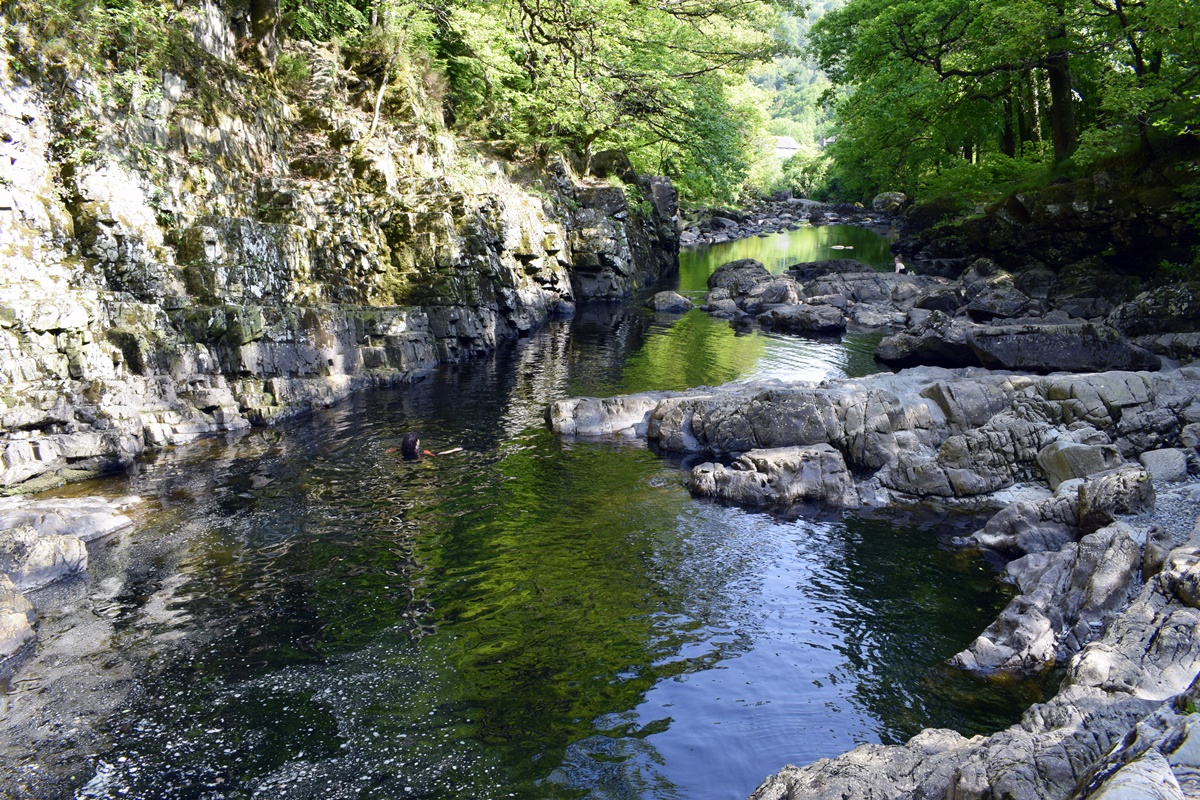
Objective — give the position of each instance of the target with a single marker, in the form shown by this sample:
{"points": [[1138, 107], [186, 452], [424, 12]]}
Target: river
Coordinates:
{"points": [[302, 614]]}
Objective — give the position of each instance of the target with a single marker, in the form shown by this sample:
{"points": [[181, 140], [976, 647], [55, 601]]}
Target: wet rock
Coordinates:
{"points": [[17, 619], [85, 518], [738, 277], [773, 291], [1066, 600], [670, 303], [779, 476], [1119, 690], [32, 560], [614, 416]]}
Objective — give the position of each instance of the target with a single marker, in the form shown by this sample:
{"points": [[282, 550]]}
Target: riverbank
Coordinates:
{"points": [[992, 438]]}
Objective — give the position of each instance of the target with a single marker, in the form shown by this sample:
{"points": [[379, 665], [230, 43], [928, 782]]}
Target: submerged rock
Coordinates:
{"points": [[804, 318], [31, 559]]}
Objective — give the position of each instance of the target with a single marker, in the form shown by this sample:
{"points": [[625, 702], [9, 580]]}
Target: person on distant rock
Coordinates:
{"points": [[900, 268]]}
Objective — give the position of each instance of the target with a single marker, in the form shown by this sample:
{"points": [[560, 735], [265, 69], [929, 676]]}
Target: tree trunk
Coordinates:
{"points": [[1062, 110], [1008, 139], [264, 20]]}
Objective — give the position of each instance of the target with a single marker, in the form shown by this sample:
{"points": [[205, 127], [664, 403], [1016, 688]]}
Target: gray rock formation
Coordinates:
{"points": [[670, 303], [1124, 695], [928, 433], [16, 619], [271, 257], [1071, 347], [803, 318], [738, 278], [778, 477], [1066, 599], [31, 559]]}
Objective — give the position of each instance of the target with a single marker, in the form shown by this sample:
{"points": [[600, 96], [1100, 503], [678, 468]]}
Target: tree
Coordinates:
{"points": [[964, 80], [655, 77]]}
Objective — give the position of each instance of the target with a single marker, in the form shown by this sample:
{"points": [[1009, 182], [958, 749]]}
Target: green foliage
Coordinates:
{"points": [[293, 72], [126, 40], [1190, 209], [661, 81], [320, 20], [949, 86]]}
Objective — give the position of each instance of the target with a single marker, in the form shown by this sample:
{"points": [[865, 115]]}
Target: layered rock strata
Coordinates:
{"points": [[922, 434], [195, 267]]}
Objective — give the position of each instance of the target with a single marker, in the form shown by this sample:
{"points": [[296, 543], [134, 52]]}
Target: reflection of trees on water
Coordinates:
{"points": [[907, 607]]}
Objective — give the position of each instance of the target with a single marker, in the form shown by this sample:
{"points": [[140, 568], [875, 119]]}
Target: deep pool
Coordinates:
{"points": [[304, 615]]}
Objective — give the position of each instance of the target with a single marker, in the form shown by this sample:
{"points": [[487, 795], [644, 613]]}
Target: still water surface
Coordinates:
{"points": [[534, 617]]}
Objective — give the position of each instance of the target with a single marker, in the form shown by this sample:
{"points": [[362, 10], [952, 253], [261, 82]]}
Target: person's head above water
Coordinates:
{"points": [[410, 446]]}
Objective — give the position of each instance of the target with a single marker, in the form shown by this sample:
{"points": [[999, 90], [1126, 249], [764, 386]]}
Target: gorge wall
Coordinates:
{"points": [[211, 251]]}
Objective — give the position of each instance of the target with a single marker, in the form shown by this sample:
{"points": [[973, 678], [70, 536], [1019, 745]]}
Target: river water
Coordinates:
{"points": [[303, 614]]}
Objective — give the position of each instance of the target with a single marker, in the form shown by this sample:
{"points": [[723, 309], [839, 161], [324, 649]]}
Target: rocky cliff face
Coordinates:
{"points": [[215, 252]]}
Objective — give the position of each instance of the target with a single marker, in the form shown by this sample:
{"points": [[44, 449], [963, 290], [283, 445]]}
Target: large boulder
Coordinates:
{"points": [[1031, 526], [1169, 309], [776, 290], [810, 270], [889, 202], [1066, 347], [1104, 497], [670, 303], [804, 318], [940, 341], [738, 277], [779, 476], [998, 302], [1062, 460]]}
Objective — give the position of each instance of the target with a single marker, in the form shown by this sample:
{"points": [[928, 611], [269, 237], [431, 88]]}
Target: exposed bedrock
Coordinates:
{"points": [[986, 318], [1066, 598], [921, 433], [271, 257], [784, 475], [1120, 726], [42, 541]]}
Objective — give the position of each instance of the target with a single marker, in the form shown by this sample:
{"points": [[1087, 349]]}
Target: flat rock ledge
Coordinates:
{"points": [[42, 541]]}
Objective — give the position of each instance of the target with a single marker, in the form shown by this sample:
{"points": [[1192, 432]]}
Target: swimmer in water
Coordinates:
{"points": [[410, 448]]}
